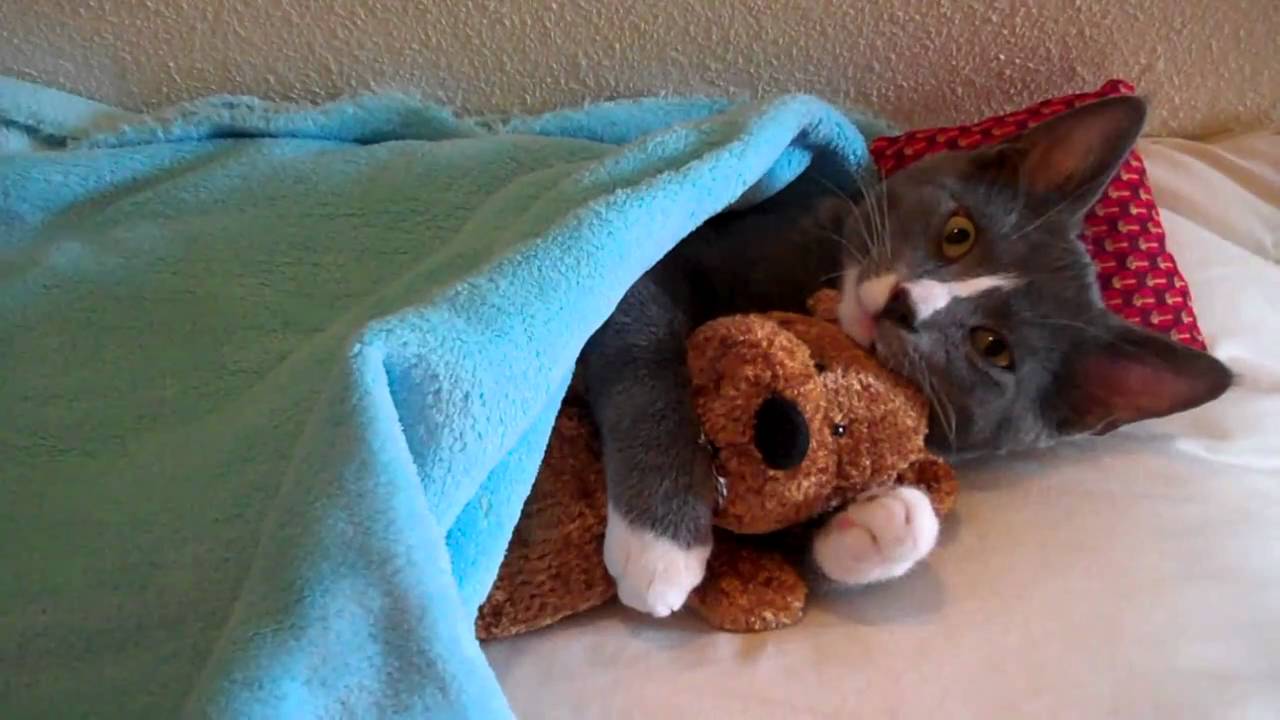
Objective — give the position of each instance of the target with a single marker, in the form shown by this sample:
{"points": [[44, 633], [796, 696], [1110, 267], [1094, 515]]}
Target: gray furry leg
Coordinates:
{"points": [[660, 485]]}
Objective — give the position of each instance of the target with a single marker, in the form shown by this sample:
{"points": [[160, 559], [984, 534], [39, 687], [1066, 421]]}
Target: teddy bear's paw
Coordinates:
{"points": [[654, 574], [877, 538]]}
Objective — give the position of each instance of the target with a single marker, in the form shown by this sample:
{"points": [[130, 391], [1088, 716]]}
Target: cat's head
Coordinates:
{"points": [[967, 275]]}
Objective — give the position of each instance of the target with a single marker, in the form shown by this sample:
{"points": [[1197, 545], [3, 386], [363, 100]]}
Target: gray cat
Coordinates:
{"points": [[963, 271]]}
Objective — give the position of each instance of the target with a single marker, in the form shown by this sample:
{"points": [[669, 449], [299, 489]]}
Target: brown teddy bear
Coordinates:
{"points": [[800, 421]]}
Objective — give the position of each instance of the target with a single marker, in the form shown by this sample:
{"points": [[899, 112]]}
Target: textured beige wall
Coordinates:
{"points": [[1208, 65]]}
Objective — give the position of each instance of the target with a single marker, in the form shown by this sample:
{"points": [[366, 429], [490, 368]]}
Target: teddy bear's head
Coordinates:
{"points": [[799, 416]]}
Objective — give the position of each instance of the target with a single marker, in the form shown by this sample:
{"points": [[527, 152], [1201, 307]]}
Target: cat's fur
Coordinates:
{"points": [[1076, 367]]}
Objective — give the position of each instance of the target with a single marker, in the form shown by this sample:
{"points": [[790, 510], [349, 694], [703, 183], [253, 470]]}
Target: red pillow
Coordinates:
{"points": [[1139, 278]]}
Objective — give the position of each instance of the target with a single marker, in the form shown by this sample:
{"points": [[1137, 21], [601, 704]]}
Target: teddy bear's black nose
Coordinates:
{"points": [[782, 433]]}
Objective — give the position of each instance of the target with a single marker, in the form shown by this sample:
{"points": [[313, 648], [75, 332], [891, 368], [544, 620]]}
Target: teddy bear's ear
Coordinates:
{"points": [[781, 433], [825, 305], [750, 352]]}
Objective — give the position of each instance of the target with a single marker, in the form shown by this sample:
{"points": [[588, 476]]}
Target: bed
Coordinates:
{"points": [[1136, 575], [265, 463]]}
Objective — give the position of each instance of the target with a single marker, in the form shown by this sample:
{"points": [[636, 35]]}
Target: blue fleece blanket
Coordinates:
{"points": [[276, 379]]}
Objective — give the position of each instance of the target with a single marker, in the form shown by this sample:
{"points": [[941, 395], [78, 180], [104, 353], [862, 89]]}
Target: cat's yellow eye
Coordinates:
{"points": [[992, 347], [958, 237]]}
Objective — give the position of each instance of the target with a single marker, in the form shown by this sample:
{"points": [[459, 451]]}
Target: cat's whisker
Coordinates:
{"points": [[868, 235], [879, 215], [1069, 200], [941, 406], [830, 185], [1069, 323], [859, 257], [1101, 424], [867, 238], [877, 241], [882, 208], [946, 413], [951, 419], [884, 196], [863, 194]]}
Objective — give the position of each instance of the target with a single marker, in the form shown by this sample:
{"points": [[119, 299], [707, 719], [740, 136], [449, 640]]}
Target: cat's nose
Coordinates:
{"points": [[898, 310]]}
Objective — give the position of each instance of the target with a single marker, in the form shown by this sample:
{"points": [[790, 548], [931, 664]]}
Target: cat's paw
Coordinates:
{"points": [[654, 575], [877, 538]]}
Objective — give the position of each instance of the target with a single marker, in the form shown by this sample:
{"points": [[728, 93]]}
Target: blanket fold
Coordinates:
{"points": [[278, 377]]}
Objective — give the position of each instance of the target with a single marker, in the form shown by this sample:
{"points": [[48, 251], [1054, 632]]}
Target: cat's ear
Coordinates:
{"points": [[1071, 158], [1123, 374]]}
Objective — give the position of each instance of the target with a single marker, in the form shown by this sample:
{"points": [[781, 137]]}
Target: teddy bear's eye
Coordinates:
{"points": [[820, 367], [838, 430]]}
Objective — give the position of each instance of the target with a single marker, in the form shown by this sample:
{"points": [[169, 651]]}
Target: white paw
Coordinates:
{"points": [[654, 575], [878, 538]]}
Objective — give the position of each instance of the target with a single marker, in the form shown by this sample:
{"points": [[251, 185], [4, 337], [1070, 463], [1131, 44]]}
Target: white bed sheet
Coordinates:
{"points": [[1137, 576]]}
